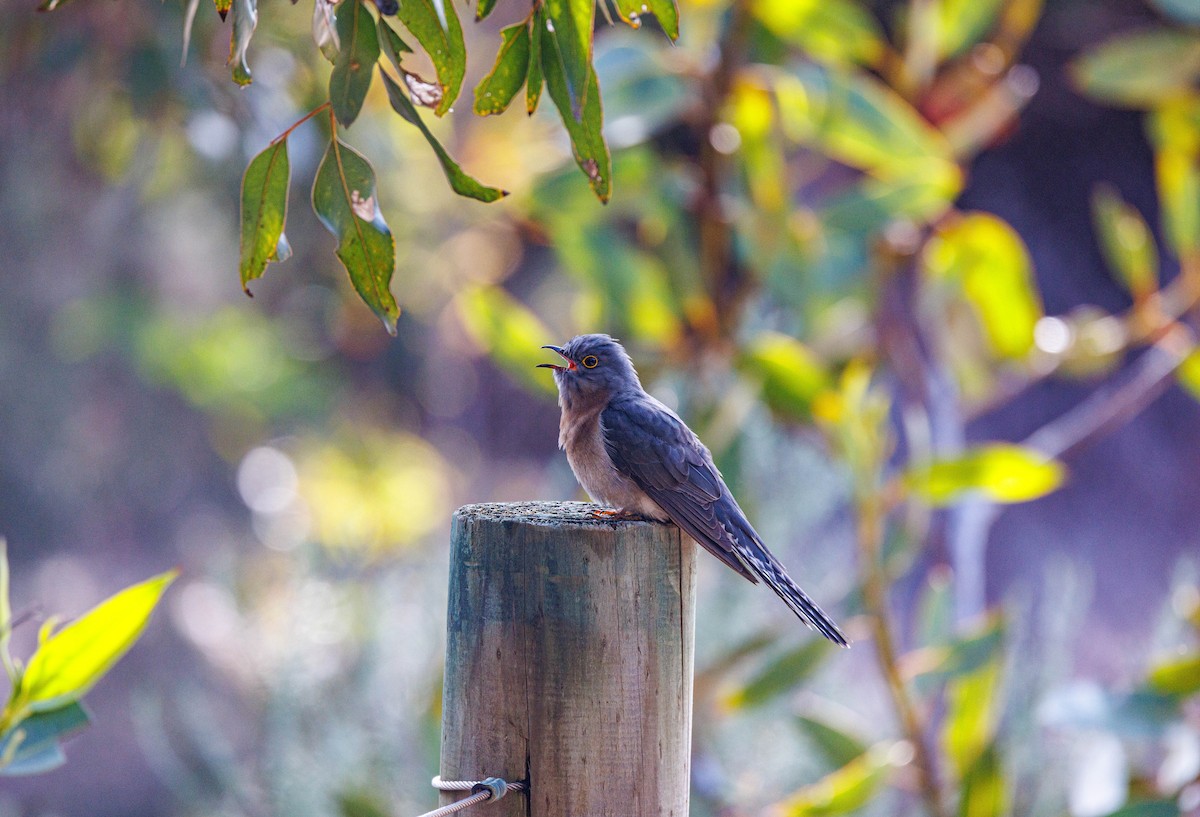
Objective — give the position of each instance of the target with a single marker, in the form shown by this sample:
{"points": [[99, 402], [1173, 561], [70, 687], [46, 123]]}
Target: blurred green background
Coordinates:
{"points": [[858, 245]]}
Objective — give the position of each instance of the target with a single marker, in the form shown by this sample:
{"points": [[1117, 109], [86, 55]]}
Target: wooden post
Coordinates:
{"points": [[569, 661]]}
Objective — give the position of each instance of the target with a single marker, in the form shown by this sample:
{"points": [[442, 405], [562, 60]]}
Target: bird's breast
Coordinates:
{"points": [[583, 440]]}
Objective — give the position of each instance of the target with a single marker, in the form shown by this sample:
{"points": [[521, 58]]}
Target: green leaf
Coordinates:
{"points": [[962, 23], [791, 374], [665, 11], [569, 26], [444, 45], [264, 211], [782, 674], [972, 712], [69, 662], [223, 7], [344, 198], [1142, 69], [831, 31], [856, 120], [1181, 11], [508, 331], [1173, 127], [460, 182], [1179, 677], [28, 745], [985, 257], [497, 89], [984, 789], [390, 43], [963, 655], [46, 759], [843, 791], [483, 9], [1000, 471], [355, 63], [534, 82], [836, 745], [587, 137], [245, 19], [1127, 242]]}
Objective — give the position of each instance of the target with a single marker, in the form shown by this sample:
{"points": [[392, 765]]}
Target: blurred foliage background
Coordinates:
{"points": [[923, 274]]}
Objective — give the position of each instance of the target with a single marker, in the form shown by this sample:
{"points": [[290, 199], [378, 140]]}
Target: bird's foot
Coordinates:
{"points": [[612, 515]]}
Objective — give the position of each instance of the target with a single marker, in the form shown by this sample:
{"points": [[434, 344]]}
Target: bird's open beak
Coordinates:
{"points": [[563, 354]]}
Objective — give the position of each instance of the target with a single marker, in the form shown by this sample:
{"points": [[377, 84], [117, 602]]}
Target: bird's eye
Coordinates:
{"points": [[590, 362]]}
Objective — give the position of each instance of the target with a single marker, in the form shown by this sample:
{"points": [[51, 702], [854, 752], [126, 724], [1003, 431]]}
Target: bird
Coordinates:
{"points": [[636, 456]]}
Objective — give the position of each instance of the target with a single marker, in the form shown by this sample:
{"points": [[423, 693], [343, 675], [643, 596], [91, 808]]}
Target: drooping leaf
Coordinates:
{"points": [[497, 89], [28, 745], [665, 11], [1181, 11], [245, 20], [483, 8], [1000, 471], [534, 80], [586, 133], [223, 7], [781, 674], [355, 63], [390, 43], [843, 791], [460, 182], [962, 655], [985, 257], [1173, 127], [1141, 69], [791, 374], [569, 26], [984, 788], [1127, 242], [264, 210], [835, 743], [324, 29], [444, 45], [832, 31], [69, 662], [508, 331], [344, 198], [1180, 677]]}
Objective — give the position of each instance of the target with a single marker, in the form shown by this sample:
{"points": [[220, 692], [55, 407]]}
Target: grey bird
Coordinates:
{"points": [[633, 454]]}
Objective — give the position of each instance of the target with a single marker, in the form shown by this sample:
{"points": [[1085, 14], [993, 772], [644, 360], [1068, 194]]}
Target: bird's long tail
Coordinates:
{"points": [[771, 572]]}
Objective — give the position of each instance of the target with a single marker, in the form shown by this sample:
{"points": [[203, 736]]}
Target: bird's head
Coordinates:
{"points": [[597, 367]]}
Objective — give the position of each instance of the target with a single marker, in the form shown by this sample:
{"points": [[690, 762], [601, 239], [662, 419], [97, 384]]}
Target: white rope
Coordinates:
{"points": [[492, 788]]}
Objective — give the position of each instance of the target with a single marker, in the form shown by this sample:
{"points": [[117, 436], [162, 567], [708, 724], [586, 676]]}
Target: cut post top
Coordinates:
{"points": [[554, 514]]}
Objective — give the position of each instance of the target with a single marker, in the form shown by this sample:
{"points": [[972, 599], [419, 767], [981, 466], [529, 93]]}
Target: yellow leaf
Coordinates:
{"points": [[1002, 472]]}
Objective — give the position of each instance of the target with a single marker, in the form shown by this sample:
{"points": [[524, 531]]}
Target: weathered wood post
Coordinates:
{"points": [[569, 661]]}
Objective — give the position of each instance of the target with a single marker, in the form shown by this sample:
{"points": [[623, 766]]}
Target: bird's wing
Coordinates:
{"points": [[653, 447]]}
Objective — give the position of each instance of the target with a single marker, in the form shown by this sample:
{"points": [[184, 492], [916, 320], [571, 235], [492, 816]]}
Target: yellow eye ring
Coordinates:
{"points": [[590, 362]]}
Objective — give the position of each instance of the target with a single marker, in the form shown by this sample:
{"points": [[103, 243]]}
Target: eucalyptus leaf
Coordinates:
{"points": [[223, 7], [460, 182], [1141, 69], [984, 787], [842, 791], [345, 200], [835, 743], [1126, 240], [46, 759], [70, 661], [535, 79], [781, 674], [245, 20], [1000, 471], [791, 374], [355, 63], [443, 44], [586, 133], [26, 743], [569, 25], [264, 210], [483, 9], [1172, 128], [665, 11], [390, 43], [495, 91], [832, 31], [973, 705], [1180, 676]]}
